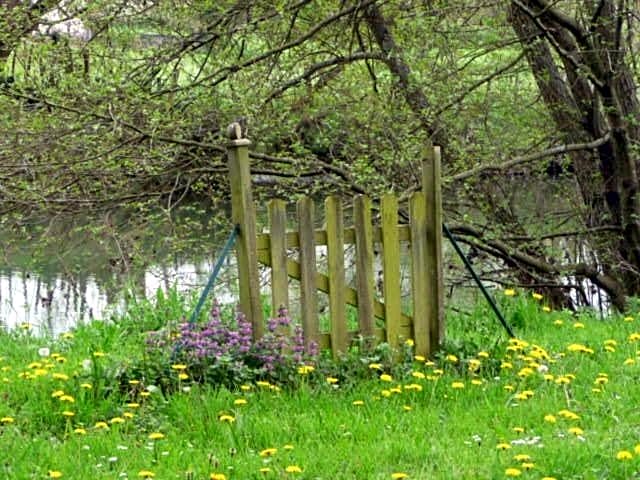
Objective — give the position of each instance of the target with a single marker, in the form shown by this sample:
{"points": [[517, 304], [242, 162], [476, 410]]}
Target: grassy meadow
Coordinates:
{"points": [[560, 401]]}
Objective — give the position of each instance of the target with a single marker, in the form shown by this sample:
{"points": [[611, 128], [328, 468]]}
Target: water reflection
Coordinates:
{"points": [[56, 304]]}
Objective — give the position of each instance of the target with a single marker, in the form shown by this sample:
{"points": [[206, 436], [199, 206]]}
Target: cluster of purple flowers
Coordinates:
{"points": [[213, 340], [226, 346]]}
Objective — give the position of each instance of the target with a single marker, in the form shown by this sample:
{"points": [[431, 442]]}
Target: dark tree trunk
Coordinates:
{"points": [[595, 96]]}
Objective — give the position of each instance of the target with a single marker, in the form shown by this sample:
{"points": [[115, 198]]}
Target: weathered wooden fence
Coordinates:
{"points": [[423, 233]]}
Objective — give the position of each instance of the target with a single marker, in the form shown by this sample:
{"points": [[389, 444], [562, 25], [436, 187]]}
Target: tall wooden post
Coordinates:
{"points": [[435, 286], [243, 215]]}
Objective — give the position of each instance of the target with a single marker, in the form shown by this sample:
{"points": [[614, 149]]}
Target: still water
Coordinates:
{"points": [[55, 304]]}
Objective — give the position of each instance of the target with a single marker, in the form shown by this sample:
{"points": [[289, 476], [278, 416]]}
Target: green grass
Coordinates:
{"points": [[433, 431]]}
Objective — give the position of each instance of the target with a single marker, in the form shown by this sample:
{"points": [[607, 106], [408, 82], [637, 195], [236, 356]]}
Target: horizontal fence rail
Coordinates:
{"points": [[422, 234]]}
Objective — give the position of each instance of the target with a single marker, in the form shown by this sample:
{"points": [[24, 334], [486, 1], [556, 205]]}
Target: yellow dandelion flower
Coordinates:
{"points": [[265, 470], [518, 429], [240, 401], [385, 393], [578, 325], [55, 474], [116, 420], [624, 455], [375, 366], [575, 431], [506, 365], [293, 469], [218, 476], [419, 358], [245, 388], [637, 449], [558, 322], [527, 465], [227, 418], [399, 475], [60, 376], [101, 425], [407, 408], [133, 405], [156, 436], [634, 337], [305, 369], [550, 418], [509, 292], [79, 431], [128, 415], [357, 403], [457, 385], [288, 447], [503, 446], [628, 319], [386, 377], [99, 354], [66, 398], [413, 386], [512, 472], [546, 309], [409, 342], [146, 474], [509, 388], [7, 420], [522, 457], [68, 413], [476, 382], [537, 296], [86, 386], [179, 366], [419, 375], [451, 358], [332, 380], [268, 452]]}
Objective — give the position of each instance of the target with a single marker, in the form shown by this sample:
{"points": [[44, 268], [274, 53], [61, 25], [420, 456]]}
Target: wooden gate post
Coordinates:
{"points": [[435, 286], [243, 215]]}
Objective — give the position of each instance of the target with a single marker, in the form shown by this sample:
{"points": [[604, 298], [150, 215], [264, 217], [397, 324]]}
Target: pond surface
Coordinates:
{"points": [[57, 302], [58, 274]]}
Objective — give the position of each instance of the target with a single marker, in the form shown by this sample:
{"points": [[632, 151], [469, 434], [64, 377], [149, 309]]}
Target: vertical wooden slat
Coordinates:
{"points": [[433, 200], [391, 269], [364, 264], [308, 293], [419, 274], [243, 215], [278, 251], [335, 261]]}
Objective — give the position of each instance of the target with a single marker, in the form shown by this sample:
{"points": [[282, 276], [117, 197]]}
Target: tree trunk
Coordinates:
{"points": [[596, 95]]}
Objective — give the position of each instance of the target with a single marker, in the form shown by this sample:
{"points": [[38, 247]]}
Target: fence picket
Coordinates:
{"points": [[278, 251], [335, 263], [435, 285], [391, 269], [364, 264], [243, 214], [419, 274], [308, 287]]}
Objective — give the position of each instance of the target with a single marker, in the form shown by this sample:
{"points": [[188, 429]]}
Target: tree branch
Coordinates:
{"points": [[557, 150]]}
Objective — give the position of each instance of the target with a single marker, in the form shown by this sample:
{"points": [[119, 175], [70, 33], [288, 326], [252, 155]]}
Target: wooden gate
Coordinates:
{"points": [[423, 234]]}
